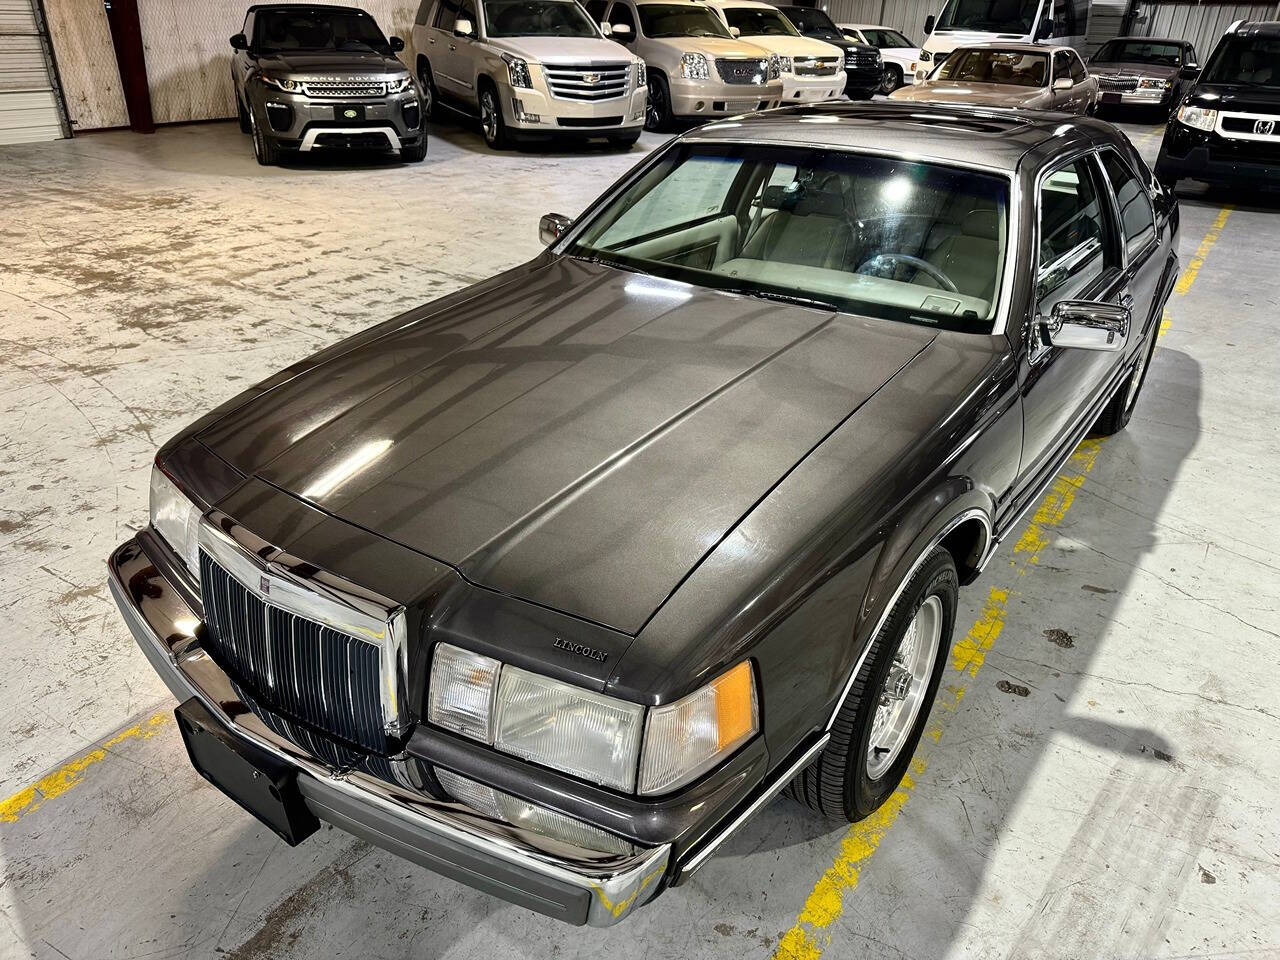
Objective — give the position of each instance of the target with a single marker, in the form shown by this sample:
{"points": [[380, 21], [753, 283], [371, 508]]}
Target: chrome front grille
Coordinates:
{"points": [[816, 66], [335, 89], [1263, 127], [304, 669], [742, 72], [587, 82], [1117, 84]]}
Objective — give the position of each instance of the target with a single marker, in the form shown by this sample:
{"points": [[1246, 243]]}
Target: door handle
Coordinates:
{"points": [[431, 39], [1126, 299]]}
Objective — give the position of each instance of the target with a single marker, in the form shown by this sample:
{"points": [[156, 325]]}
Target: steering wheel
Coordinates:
{"points": [[937, 275]]}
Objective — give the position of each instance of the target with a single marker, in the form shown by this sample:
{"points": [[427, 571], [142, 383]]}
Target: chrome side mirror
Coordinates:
{"points": [[736, 32], [621, 31], [1063, 83], [1086, 325], [552, 227], [462, 27], [606, 30]]}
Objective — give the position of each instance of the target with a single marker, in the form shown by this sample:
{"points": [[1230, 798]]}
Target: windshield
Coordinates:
{"points": [[886, 39], [759, 22], [813, 23], [317, 29], [1140, 51], [536, 18], [989, 16], [996, 66], [663, 20], [878, 236], [1251, 61]]}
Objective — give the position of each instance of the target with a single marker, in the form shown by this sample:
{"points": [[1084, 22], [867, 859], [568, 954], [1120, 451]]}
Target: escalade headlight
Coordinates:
{"points": [[590, 735], [694, 66], [176, 518], [518, 71], [642, 74], [784, 64], [399, 84], [282, 83], [1200, 118]]}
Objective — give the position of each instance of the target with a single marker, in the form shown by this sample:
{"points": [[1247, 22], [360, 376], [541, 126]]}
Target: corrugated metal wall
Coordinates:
{"points": [[905, 15], [1201, 23], [29, 107]]}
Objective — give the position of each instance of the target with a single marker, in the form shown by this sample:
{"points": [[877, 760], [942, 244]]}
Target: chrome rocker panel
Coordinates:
{"points": [[574, 885]]}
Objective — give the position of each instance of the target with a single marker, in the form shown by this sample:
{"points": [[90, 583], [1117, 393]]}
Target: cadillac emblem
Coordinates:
{"points": [[1264, 128], [591, 78]]}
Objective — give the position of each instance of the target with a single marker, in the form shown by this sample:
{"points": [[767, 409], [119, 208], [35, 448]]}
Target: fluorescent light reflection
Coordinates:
{"points": [[346, 468]]}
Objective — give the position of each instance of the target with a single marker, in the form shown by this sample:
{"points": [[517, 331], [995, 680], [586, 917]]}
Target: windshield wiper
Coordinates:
{"points": [[791, 298]]}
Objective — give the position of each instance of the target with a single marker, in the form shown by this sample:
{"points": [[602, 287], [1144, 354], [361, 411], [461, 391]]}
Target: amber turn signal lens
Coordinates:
{"points": [[735, 705]]}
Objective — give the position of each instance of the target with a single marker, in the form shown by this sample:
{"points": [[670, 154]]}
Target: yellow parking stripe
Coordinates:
{"points": [[810, 935], [54, 784]]}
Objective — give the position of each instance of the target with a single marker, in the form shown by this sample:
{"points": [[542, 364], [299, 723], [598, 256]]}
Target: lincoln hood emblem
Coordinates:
{"points": [[1264, 128]]}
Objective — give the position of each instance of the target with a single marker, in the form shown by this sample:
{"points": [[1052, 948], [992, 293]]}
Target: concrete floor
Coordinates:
{"points": [[1100, 777]]}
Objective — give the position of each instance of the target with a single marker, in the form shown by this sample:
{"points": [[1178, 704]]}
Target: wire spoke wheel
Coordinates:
{"points": [[905, 687]]}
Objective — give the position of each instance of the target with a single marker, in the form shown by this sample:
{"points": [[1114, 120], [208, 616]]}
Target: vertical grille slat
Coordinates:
{"points": [[312, 673]]}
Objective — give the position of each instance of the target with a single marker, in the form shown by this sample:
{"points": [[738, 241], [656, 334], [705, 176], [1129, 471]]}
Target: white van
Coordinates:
{"points": [[963, 23]]}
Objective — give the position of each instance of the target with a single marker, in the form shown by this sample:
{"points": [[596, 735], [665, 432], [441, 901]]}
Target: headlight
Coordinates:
{"points": [[642, 74], [694, 66], [775, 66], [567, 728], [463, 685], [399, 84], [1151, 83], [925, 56], [176, 518], [518, 71], [684, 739], [784, 64], [281, 83], [1199, 117]]}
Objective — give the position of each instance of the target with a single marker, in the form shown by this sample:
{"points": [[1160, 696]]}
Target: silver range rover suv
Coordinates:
{"points": [[310, 76]]}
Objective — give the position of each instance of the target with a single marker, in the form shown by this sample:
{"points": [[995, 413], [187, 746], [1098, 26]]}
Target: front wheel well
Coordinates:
{"points": [[968, 544]]}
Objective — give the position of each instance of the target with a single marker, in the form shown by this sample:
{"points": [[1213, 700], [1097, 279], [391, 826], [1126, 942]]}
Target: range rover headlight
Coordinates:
{"points": [[686, 738], [567, 728], [642, 74], [399, 84], [695, 66], [1200, 118], [176, 518], [282, 83], [518, 71]]}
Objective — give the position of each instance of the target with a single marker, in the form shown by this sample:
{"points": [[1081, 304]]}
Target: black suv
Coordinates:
{"points": [[862, 64], [1228, 127], [309, 77]]}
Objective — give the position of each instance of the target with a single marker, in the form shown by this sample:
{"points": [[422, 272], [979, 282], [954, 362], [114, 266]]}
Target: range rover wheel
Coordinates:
{"points": [[266, 152], [657, 113], [428, 84], [492, 124], [243, 116], [880, 722], [1116, 416], [892, 78]]}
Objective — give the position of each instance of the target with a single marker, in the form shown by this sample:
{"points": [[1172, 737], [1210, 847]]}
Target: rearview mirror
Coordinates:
{"points": [[462, 28], [1086, 325], [239, 42], [622, 32], [1189, 71], [1063, 83], [552, 227], [396, 44], [929, 21]]}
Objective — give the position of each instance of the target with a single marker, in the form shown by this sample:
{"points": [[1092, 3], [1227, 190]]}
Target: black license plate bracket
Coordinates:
{"points": [[349, 111], [262, 784]]}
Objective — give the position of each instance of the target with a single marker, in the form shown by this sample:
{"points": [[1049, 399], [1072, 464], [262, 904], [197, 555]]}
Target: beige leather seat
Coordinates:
{"points": [[812, 230], [970, 258]]}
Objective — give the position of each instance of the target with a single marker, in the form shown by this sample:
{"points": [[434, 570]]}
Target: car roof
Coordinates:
{"points": [[1180, 42], [730, 4], [1258, 28], [988, 137], [327, 7], [678, 3], [1014, 47]]}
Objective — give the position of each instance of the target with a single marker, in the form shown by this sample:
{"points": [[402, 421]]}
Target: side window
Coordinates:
{"points": [[446, 14], [1061, 65], [596, 8], [1136, 218], [620, 13], [1073, 233], [424, 11], [1078, 73]]}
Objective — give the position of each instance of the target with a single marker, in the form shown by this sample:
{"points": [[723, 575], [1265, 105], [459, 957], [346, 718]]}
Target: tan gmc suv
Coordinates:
{"points": [[697, 68], [528, 69]]}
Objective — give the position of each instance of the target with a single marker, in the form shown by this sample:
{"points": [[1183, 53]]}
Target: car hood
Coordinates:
{"points": [[796, 46], [1228, 96], [982, 94], [563, 49], [579, 437], [710, 46], [324, 63], [1128, 69]]}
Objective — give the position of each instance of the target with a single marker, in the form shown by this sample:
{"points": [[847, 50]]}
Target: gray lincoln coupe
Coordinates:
{"points": [[550, 584]]}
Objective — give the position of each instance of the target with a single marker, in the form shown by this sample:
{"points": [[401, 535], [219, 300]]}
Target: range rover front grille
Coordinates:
{"points": [[742, 72], [301, 668], [346, 88], [1117, 84], [587, 82]]}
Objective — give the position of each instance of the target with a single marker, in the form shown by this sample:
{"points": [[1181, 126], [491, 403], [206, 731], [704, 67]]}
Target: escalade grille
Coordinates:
{"points": [[1117, 84], [345, 88], [816, 66], [587, 82], [297, 666], [742, 71]]}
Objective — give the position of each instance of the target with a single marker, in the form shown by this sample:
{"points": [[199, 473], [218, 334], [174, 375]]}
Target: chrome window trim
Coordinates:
{"points": [[297, 587], [1142, 249]]}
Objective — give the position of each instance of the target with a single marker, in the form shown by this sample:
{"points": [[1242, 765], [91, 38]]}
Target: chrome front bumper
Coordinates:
{"points": [[579, 887]]}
